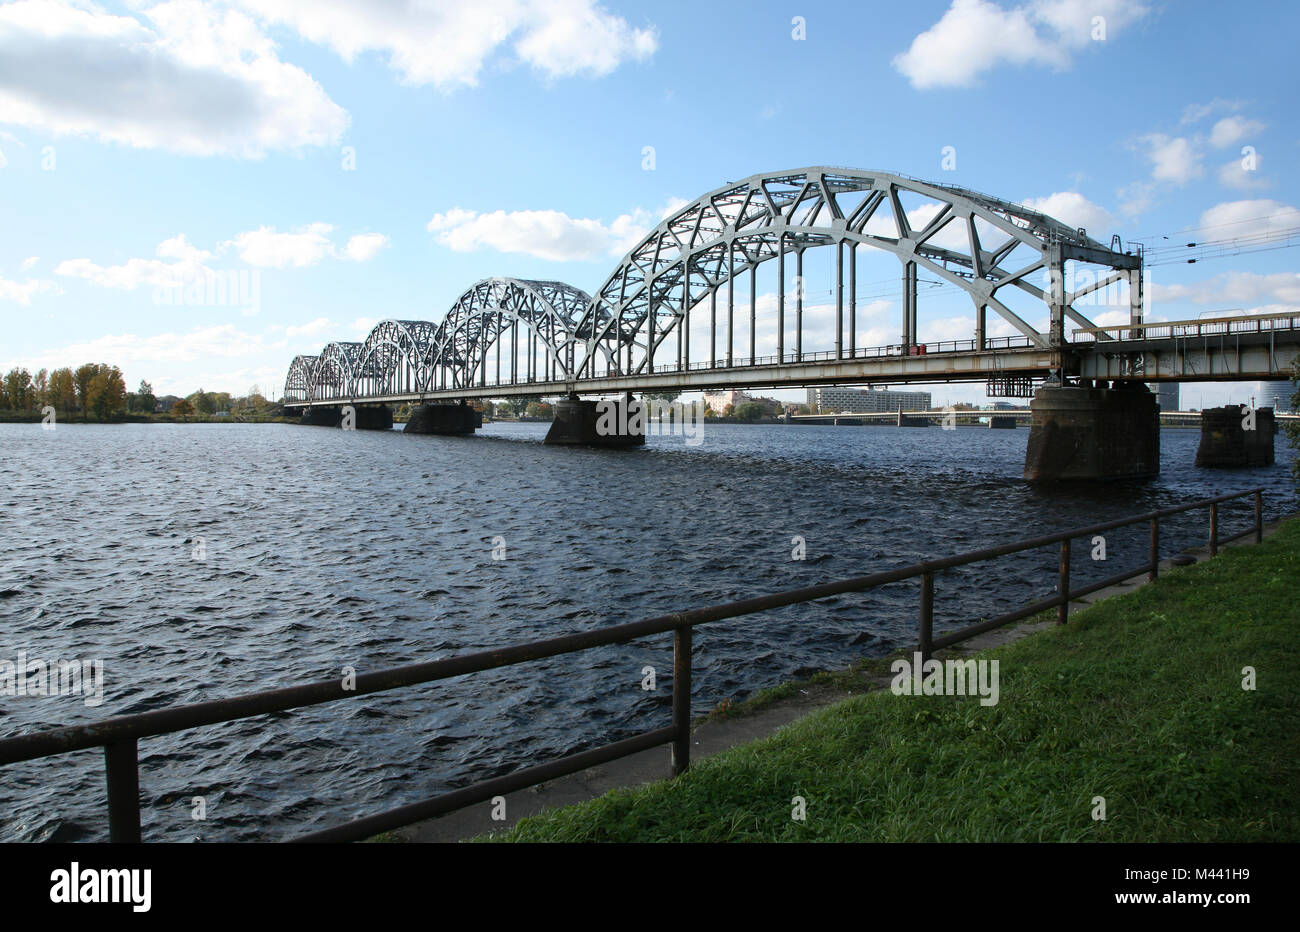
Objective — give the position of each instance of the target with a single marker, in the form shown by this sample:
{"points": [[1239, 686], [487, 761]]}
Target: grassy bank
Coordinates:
{"points": [[1139, 700]]}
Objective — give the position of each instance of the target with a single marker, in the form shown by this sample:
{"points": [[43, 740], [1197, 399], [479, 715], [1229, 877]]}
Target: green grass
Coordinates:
{"points": [[1138, 700]]}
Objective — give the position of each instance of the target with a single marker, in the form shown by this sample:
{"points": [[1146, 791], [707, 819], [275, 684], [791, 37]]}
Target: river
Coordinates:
{"points": [[204, 561]]}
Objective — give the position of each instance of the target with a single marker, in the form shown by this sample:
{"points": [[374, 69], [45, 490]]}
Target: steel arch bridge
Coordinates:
{"points": [[634, 333]]}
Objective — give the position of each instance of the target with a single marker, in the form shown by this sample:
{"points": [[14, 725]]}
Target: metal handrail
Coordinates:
{"points": [[1208, 327], [119, 736]]}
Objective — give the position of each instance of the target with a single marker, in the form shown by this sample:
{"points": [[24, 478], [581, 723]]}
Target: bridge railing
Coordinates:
{"points": [[119, 737], [1209, 327]]}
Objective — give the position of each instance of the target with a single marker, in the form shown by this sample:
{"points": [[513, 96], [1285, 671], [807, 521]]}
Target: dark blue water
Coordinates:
{"points": [[324, 549]]}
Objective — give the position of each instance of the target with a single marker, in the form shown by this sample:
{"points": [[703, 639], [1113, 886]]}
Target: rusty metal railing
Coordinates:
{"points": [[120, 736]]}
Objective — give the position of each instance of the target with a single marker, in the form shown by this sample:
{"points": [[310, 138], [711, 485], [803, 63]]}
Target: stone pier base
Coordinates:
{"points": [[1226, 443], [374, 417], [322, 416], [598, 423], [1082, 432], [1002, 422], [445, 419]]}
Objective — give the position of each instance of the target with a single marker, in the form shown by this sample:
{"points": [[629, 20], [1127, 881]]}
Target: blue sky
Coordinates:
{"points": [[341, 162]]}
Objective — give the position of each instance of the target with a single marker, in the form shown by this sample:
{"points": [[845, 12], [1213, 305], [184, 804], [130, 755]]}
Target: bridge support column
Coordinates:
{"points": [[598, 424], [1228, 440], [444, 419], [322, 416], [374, 417], [1002, 422], [1082, 432]]}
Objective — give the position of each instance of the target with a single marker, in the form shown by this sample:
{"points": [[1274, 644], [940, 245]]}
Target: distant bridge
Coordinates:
{"points": [[509, 337], [965, 417]]}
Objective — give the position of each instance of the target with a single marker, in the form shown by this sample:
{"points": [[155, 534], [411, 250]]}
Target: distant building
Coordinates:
{"points": [[1277, 395], [718, 401], [1166, 395], [834, 399]]}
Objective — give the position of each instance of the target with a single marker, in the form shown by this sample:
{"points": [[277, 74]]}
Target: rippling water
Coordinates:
{"points": [[324, 549]]}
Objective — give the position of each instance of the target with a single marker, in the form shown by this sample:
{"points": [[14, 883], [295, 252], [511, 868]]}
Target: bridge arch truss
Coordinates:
{"points": [[962, 237], [641, 316]]}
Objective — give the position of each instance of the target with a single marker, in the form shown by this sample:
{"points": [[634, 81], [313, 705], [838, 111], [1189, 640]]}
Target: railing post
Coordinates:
{"points": [[926, 639], [682, 699], [121, 772], [1155, 550], [1214, 529], [1063, 584], [1259, 516]]}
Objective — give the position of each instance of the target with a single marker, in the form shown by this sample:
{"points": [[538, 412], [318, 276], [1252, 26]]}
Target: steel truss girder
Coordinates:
{"points": [[736, 227], [690, 255]]}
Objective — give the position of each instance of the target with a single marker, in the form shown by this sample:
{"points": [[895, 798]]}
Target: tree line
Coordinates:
{"points": [[98, 390], [92, 389]]}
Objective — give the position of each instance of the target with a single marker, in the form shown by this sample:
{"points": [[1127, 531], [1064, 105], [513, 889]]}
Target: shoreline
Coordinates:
{"points": [[729, 725]]}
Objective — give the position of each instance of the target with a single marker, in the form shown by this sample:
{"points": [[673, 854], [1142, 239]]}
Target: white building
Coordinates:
{"points": [[833, 399]]}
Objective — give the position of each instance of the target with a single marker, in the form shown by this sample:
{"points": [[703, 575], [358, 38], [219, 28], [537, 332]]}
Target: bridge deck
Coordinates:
{"points": [[1233, 349]]}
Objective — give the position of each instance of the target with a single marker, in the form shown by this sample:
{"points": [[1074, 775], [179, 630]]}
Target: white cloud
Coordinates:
{"points": [[180, 263], [1234, 175], [184, 76], [1194, 113], [453, 218], [1239, 288], [178, 247], [1135, 199], [1172, 159], [1248, 218], [546, 234], [30, 261], [266, 248], [3, 161], [321, 326], [449, 44], [365, 246], [974, 36], [363, 325], [133, 273], [198, 345], [1233, 129], [1072, 208], [22, 292]]}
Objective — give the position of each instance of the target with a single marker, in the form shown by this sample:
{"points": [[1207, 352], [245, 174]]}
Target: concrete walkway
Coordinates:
{"points": [[714, 736]]}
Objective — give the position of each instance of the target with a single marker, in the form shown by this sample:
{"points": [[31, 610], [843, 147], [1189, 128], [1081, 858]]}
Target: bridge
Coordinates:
{"points": [[710, 266]]}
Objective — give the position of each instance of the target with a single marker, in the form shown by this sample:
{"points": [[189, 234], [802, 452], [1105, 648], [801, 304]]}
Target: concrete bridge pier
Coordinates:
{"points": [[1234, 436], [1093, 432], [598, 423], [322, 416], [1002, 422], [373, 417], [904, 421], [444, 419]]}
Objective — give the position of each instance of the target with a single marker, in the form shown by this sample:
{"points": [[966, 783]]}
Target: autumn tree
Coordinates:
{"points": [[183, 408], [17, 390], [107, 392], [81, 378], [41, 387], [63, 390]]}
